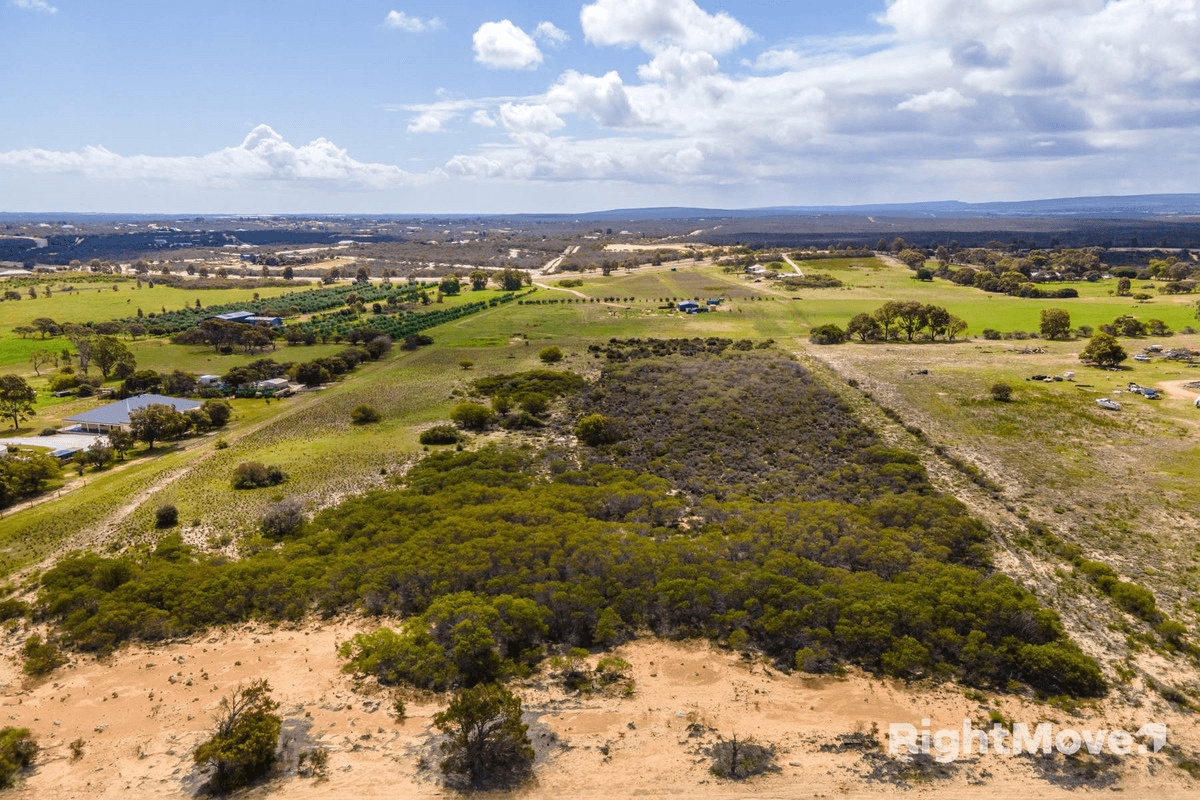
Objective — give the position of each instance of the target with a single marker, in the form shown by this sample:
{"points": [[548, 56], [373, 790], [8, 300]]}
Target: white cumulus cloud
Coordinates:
{"points": [[655, 25], [502, 45], [406, 22], [35, 5], [551, 33], [604, 98], [529, 118], [678, 66], [263, 155]]}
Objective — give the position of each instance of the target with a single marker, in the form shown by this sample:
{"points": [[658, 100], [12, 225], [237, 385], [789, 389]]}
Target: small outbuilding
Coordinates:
{"points": [[688, 307]]}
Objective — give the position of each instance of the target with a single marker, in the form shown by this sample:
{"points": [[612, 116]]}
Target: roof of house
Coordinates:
{"points": [[234, 316], [118, 413]]}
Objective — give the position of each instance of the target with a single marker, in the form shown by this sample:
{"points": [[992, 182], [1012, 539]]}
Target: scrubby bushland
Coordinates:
{"points": [[746, 502]]}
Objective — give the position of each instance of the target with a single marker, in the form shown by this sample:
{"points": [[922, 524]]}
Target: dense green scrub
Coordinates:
{"points": [[743, 503]]}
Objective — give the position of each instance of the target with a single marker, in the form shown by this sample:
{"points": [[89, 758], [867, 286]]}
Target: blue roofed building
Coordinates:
{"points": [[116, 415]]}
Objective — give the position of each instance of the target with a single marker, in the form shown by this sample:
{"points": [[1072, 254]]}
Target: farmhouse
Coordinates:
{"points": [[115, 415]]}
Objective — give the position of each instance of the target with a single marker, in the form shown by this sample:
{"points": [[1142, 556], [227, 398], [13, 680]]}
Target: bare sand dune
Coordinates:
{"points": [[142, 711]]}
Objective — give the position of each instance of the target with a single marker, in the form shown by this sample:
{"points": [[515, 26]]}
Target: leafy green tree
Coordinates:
{"points": [[16, 399], [1056, 323], [450, 285], [912, 258], [1104, 350], [472, 416], [245, 735], [479, 280], [511, 280], [938, 320], [156, 422], [108, 351], [864, 326], [912, 317], [1124, 286], [40, 358], [886, 316], [489, 745], [310, 373], [218, 411], [121, 441]]}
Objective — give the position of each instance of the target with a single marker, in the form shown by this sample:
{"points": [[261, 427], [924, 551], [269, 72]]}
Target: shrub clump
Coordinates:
{"points": [[166, 516], [282, 518], [17, 750], [597, 429], [364, 415], [827, 334], [244, 738], [737, 760], [1001, 392], [472, 416], [255, 474], [488, 745], [440, 434], [41, 657], [550, 355]]}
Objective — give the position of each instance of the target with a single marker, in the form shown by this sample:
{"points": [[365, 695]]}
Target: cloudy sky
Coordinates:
{"points": [[533, 106]]}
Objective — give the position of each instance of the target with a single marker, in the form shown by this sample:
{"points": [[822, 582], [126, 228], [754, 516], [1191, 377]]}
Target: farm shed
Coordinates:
{"points": [[116, 415], [688, 307], [232, 316]]}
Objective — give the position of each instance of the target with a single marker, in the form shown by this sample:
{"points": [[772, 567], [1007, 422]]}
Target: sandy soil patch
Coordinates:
{"points": [[142, 711]]}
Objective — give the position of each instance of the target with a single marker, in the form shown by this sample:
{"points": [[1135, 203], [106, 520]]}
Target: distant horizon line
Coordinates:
{"points": [[1157, 198]]}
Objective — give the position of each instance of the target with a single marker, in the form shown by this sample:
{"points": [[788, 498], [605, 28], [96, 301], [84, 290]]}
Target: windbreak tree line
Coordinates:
{"points": [[718, 513]]}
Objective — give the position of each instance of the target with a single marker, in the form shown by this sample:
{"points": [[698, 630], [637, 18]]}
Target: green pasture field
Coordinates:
{"points": [[311, 438], [100, 303]]}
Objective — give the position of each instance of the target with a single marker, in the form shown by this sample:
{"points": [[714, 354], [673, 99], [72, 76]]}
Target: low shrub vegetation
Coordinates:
{"points": [[255, 474]]}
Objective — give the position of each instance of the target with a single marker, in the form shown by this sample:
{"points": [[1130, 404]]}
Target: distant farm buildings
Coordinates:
{"points": [[116, 415], [246, 318]]}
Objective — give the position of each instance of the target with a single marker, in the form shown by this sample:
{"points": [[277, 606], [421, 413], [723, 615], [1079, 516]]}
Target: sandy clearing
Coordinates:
{"points": [[140, 728]]}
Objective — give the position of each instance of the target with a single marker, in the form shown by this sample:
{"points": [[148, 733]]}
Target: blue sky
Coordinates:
{"points": [[413, 107]]}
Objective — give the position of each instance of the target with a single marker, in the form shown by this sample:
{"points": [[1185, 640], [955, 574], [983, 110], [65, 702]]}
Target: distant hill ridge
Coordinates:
{"points": [[1105, 207]]}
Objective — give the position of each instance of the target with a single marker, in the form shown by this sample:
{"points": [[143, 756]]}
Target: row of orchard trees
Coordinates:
{"points": [[909, 318]]}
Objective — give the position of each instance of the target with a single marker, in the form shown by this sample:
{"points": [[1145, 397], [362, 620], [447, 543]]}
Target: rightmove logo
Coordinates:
{"points": [[947, 744]]}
